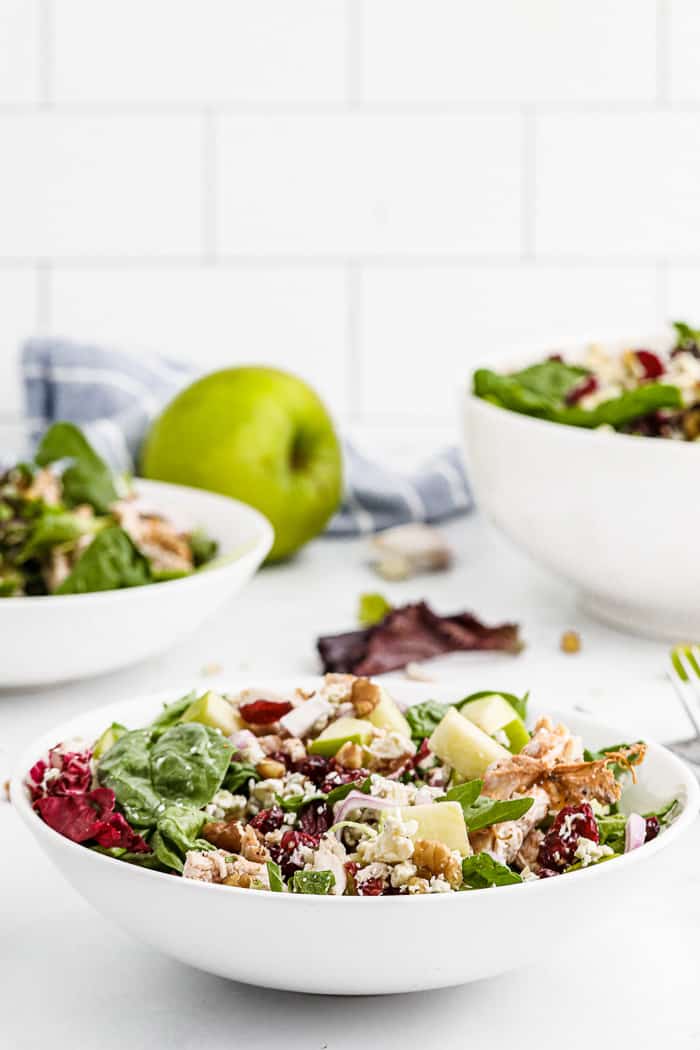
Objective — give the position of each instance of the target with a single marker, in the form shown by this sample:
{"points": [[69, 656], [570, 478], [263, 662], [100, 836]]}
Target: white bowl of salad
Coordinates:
{"points": [[587, 460], [329, 836], [99, 571]]}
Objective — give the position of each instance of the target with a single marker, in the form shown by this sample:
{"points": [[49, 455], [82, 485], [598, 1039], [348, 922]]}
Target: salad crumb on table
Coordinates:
{"points": [[338, 791]]}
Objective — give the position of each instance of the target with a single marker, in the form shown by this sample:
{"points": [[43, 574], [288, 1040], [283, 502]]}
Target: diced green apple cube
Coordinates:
{"points": [[494, 714], [214, 711], [342, 731], [465, 747], [387, 715], [109, 737], [440, 822]]}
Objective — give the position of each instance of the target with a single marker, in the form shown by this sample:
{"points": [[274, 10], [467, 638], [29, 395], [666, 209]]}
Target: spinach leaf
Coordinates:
{"points": [[297, 802], [54, 527], [486, 811], [319, 882], [337, 794], [142, 860], [166, 854], [665, 814], [189, 762], [202, 546], [237, 776], [538, 399], [126, 769], [172, 713], [423, 718], [274, 876], [481, 870], [181, 826], [466, 794], [87, 479], [110, 562], [552, 380], [687, 338], [518, 703], [612, 831], [372, 608]]}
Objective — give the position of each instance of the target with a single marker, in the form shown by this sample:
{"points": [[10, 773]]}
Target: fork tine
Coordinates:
{"points": [[684, 673]]}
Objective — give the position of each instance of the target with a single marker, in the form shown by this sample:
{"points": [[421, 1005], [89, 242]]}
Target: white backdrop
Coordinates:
{"points": [[371, 193]]}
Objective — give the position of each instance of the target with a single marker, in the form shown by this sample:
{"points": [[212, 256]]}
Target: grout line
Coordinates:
{"points": [[45, 49], [528, 183], [302, 108], [210, 188], [378, 261], [353, 359], [354, 16], [663, 46]]}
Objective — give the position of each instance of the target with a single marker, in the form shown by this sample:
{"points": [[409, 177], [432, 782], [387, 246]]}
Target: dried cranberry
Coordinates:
{"points": [[314, 767], [651, 363], [315, 818], [339, 777], [653, 828], [588, 385], [268, 819], [264, 712], [284, 851], [370, 888], [546, 873], [559, 846]]}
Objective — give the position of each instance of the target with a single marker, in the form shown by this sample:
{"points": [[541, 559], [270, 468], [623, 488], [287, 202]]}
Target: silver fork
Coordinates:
{"points": [[684, 672]]}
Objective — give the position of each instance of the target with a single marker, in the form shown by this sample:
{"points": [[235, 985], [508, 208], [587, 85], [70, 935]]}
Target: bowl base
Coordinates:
{"points": [[663, 625]]}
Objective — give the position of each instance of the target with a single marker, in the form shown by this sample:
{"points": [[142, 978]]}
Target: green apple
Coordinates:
{"points": [[468, 749], [494, 714], [440, 822], [109, 737], [259, 435], [342, 731], [213, 710], [387, 715]]}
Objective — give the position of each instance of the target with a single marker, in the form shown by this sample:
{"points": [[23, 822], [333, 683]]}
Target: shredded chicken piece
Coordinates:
{"points": [[45, 486], [529, 851], [206, 865], [504, 841], [567, 784], [167, 549], [553, 744]]}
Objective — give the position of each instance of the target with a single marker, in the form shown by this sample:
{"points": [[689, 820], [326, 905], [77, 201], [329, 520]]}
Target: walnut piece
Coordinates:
{"points": [[365, 696], [435, 858], [349, 756], [271, 769]]}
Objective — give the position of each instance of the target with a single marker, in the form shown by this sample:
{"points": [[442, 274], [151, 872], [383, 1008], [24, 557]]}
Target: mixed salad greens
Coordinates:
{"points": [[69, 526], [637, 391], [339, 791]]}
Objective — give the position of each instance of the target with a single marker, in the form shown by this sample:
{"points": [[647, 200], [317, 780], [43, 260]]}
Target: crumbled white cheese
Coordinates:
{"points": [[372, 871], [590, 852], [226, 805], [388, 745], [439, 884], [393, 844], [393, 790], [401, 873]]}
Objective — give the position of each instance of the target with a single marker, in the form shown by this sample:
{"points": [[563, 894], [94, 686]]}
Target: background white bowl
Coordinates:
{"points": [[52, 638], [615, 515], [354, 945]]}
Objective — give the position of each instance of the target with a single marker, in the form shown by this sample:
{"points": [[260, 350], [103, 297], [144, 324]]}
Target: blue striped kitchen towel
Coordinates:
{"points": [[114, 395]]}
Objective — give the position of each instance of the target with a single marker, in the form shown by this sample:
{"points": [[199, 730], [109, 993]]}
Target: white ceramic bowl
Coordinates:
{"points": [[348, 945], [53, 638], [613, 514]]}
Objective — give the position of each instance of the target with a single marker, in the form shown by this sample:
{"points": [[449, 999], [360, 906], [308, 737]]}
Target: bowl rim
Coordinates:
{"points": [[688, 783], [520, 356], [255, 549]]}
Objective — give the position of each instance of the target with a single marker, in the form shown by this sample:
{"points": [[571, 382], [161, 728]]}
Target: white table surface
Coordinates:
{"points": [[69, 979]]}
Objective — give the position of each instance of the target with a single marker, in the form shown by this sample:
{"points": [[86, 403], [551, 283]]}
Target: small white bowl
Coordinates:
{"points": [[53, 638], [613, 514], [346, 945]]}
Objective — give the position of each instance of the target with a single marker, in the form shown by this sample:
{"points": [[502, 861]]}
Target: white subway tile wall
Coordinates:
{"points": [[376, 194]]}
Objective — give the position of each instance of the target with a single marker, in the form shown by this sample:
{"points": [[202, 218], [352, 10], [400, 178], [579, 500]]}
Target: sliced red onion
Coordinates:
{"points": [[301, 719], [635, 832], [242, 739], [358, 800]]}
